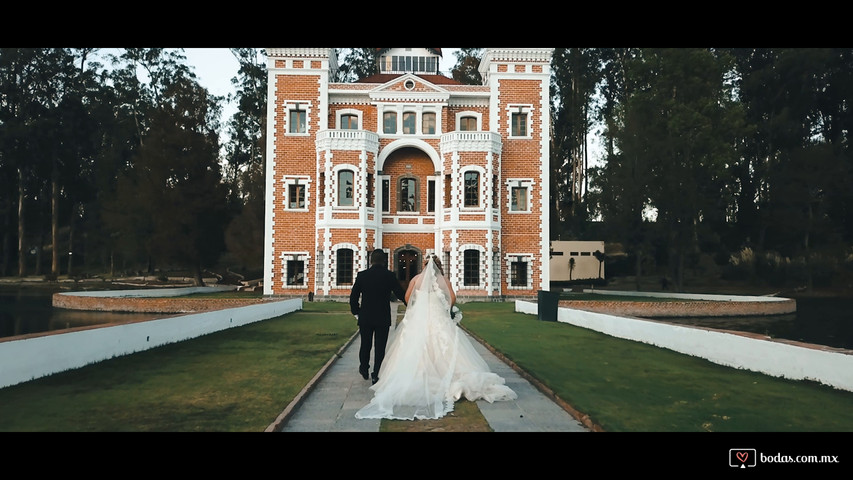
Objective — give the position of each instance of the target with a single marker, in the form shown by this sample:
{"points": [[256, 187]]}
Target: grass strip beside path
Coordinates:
{"points": [[627, 386], [236, 380]]}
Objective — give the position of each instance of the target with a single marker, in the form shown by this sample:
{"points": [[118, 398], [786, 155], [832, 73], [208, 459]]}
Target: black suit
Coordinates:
{"points": [[373, 287]]}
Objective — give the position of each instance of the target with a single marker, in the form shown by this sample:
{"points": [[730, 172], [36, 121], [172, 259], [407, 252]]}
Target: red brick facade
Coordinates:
{"points": [[412, 164]]}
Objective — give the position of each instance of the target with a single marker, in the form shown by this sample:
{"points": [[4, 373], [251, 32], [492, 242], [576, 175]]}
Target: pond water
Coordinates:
{"points": [[823, 321], [28, 310]]}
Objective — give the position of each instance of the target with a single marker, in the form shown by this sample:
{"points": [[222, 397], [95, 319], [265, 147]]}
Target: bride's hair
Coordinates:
{"points": [[436, 261]]}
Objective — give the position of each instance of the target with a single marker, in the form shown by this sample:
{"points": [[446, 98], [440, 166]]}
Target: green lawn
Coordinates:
{"points": [[629, 386], [241, 379]]}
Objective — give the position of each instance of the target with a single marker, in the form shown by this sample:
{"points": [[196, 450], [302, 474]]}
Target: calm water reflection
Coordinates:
{"points": [[824, 321], [26, 310]]}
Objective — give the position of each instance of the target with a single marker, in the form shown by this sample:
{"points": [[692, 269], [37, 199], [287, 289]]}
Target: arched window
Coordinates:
{"points": [[349, 121], [468, 124], [408, 195], [346, 187], [472, 189]]}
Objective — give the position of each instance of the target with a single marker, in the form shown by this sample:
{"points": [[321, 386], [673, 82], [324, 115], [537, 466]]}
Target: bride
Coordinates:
{"points": [[431, 363]]}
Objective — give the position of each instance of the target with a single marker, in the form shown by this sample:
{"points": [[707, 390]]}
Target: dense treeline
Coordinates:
{"points": [[112, 162], [729, 160]]}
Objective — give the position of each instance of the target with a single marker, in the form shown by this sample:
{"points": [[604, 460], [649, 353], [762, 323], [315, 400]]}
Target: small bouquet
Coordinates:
{"points": [[455, 314]]}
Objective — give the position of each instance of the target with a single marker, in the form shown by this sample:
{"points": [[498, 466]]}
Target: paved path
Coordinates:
{"points": [[329, 402]]}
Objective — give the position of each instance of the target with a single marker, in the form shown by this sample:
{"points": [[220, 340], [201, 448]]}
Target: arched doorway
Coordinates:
{"points": [[407, 263]]}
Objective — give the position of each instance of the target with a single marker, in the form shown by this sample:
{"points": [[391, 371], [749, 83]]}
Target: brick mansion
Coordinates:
{"points": [[411, 162]]}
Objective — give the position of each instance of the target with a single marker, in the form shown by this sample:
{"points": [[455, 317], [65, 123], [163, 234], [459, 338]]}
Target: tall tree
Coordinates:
{"points": [[806, 188], [171, 195], [691, 112], [73, 143], [31, 80], [678, 137], [357, 63], [620, 194], [246, 161], [467, 66], [575, 74]]}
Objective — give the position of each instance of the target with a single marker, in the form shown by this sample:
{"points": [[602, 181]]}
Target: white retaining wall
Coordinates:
{"points": [[30, 358], [828, 366]]}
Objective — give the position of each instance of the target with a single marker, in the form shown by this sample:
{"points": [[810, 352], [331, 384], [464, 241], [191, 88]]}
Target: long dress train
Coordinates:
{"points": [[430, 364]]}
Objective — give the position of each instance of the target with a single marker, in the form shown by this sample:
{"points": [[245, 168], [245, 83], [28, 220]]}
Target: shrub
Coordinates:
{"points": [[741, 265]]}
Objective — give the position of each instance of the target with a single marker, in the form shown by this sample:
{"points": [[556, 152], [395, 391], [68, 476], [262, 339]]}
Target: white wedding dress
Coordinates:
{"points": [[431, 363]]}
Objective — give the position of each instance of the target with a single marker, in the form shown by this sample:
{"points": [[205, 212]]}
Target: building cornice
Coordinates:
{"points": [[493, 56], [298, 52], [539, 55]]}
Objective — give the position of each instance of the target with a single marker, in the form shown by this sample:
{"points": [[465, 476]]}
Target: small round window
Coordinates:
{"points": [[409, 84]]}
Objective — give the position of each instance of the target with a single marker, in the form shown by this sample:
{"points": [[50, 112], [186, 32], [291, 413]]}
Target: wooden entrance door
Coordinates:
{"points": [[408, 265]]}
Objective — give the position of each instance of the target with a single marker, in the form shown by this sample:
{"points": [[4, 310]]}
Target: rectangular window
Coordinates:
{"points": [[408, 195], [472, 189], [386, 196], [447, 184], [519, 124], [471, 268], [518, 273], [344, 267], [370, 190], [295, 272], [389, 122], [496, 192], [297, 196], [297, 122], [345, 188], [409, 121], [431, 195], [518, 201], [429, 123]]}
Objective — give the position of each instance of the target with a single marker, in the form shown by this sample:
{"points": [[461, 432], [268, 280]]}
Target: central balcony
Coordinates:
{"points": [[358, 140], [471, 142]]}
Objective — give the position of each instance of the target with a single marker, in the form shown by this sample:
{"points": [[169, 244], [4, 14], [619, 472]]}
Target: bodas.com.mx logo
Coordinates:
{"points": [[742, 457]]}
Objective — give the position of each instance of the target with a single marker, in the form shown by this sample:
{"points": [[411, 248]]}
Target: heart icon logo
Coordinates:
{"points": [[742, 456]]}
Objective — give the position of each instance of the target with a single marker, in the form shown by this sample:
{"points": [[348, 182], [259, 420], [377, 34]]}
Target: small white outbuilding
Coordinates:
{"points": [[576, 260]]}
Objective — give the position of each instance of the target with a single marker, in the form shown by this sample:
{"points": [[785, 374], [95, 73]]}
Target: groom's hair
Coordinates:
{"points": [[377, 257]]}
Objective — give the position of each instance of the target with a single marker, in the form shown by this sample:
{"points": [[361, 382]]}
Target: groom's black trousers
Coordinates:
{"points": [[372, 337]]}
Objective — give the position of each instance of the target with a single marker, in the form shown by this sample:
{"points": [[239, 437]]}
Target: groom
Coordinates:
{"points": [[373, 287]]}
